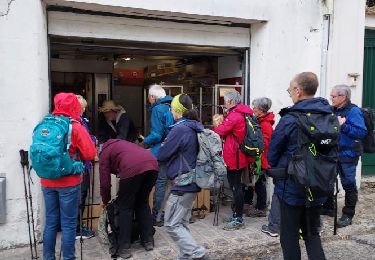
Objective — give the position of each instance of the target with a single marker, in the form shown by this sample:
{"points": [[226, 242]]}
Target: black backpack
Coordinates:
{"points": [[368, 142], [314, 163], [252, 144]]}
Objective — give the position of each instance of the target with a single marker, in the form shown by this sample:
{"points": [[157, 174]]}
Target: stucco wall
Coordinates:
{"points": [[24, 99]]}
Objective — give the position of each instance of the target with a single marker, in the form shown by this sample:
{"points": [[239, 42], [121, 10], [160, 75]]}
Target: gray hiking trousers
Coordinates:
{"points": [[176, 220], [274, 215]]}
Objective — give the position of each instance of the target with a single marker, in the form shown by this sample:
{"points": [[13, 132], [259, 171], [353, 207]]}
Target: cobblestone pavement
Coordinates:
{"points": [[354, 242]]}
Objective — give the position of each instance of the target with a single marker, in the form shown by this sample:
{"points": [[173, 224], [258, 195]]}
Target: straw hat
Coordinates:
{"points": [[109, 105]]}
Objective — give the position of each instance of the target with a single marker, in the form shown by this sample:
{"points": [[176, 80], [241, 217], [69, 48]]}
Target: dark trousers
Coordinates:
{"points": [[294, 218], [261, 191], [234, 179], [132, 197], [347, 175], [85, 185]]}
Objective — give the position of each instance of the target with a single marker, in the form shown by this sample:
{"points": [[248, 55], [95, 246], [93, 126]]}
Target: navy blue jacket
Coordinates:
{"points": [[284, 143], [161, 119], [181, 140], [352, 130]]}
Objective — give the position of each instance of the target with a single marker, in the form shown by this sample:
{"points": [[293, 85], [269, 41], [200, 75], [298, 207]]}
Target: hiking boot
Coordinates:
{"points": [[205, 257], [257, 213], [149, 246], [235, 224], [327, 212], [85, 232], [229, 218], [344, 221], [265, 229], [247, 208], [124, 253]]}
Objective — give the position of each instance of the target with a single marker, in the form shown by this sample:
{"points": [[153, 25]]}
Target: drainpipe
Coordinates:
{"points": [[324, 54], [327, 10]]}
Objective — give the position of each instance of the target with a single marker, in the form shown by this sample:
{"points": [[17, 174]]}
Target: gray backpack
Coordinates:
{"points": [[210, 168]]}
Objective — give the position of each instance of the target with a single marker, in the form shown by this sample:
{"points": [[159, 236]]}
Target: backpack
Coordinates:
{"points": [[210, 168], [49, 149], [368, 142], [109, 227], [252, 144], [314, 163]]}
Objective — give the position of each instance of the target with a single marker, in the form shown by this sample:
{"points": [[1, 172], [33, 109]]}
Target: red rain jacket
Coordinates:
{"points": [[233, 130], [266, 122]]}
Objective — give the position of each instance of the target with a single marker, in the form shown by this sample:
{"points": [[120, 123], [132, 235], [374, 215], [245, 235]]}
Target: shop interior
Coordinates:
{"points": [[109, 69], [123, 71]]}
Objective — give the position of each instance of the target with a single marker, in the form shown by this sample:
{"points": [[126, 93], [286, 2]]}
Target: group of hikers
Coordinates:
{"points": [[169, 152]]}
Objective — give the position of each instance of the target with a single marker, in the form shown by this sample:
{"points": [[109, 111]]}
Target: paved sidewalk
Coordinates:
{"points": [[354, 242]]}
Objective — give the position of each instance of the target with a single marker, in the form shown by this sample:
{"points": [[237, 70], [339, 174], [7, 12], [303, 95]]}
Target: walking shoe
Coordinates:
{"points": [[344, 221], [205, 257], [257, 213], [229, 219], [85, 232], [148, 245], [235, 224], [247, 208], [265, 229], [327, 212], [124, 253]]}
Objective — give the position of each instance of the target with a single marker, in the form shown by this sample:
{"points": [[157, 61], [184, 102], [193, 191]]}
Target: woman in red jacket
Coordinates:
{"points": [[233, 130], [266, 119], [61, 196]]}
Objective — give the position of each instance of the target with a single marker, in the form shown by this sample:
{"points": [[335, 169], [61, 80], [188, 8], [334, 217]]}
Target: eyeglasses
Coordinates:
{"points": [[290, 90], [332, 96]]}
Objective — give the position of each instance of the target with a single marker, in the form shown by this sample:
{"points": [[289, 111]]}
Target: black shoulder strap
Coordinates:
{"points": [[347, 109]]}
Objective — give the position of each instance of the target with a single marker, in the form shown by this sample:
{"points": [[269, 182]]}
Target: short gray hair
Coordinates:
{"points": [[233, 95], [157, 91], [343, 90], [263, 103]]}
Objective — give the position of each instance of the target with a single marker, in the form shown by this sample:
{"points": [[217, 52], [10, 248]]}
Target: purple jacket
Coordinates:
{"points": [[125, 160], [182, 140]]}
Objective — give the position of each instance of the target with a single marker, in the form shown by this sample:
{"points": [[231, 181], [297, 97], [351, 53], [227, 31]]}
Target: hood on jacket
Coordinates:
{"points": [[67, 104], [165, 100], [193, 124], [318, 104], [269, 117], [241, 108]]}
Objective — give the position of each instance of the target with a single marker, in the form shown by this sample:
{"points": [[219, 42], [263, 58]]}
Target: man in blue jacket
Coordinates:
{"points": [[352, 130], [161, 119], [291, 195]]}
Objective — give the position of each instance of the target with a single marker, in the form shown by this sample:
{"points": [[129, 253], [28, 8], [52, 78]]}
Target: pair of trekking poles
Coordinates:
{"points": [[26, 169]]}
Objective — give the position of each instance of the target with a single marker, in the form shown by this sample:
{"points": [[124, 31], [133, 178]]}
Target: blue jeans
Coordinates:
{"points": [[61, 206], [159, 195]]}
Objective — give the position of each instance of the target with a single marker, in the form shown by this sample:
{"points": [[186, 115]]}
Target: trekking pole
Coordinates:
{"points": [[92, 195], [81, 204], [24, 164], [335, 208], [31, 204]]}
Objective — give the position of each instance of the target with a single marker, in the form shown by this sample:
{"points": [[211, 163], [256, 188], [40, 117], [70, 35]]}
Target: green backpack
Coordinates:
{"points": [[49, 151]]}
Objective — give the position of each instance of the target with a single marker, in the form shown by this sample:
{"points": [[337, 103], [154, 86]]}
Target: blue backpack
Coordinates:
{"points": [[49, 151]]}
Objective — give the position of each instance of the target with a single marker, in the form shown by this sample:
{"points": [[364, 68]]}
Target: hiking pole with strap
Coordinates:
{"points": [[31, 205], [25, 165]]}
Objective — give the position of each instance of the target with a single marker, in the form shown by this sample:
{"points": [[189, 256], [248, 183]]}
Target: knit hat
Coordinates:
{"points": [[177, 106], [109, 105]]}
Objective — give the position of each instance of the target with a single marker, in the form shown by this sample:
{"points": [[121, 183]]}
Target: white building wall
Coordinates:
{"points": [[370, 22], [288, 43], [24, 99]]}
